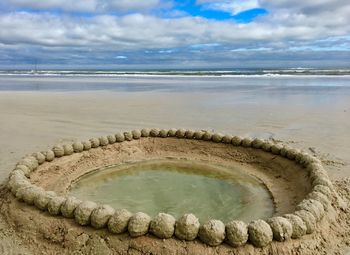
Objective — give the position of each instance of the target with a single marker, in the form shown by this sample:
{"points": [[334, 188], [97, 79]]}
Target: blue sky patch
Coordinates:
{"points": [[194, 9], [249, 15]]}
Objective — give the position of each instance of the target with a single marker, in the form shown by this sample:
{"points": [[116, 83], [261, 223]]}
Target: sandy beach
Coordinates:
{"points": [[311, 113]]}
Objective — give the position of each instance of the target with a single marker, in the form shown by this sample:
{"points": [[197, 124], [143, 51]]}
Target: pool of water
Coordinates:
{"points": [[177, 187]]}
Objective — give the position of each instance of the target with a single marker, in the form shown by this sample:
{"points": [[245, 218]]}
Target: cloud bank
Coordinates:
{"points": [[84, 28]]}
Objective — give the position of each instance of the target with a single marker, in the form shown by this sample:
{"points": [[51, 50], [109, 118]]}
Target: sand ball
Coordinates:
{"points": [[312, 206], [172, 132], [136, 134], [24, 169], [227, 139], [87, 145], [298, 225], [180, 133], [101, 215], [276, 149], [320, 197], [308, 219], [187, 227], [305, 159], [119, 137], [299, 156], [111, 139], [154, 132], [78, 147], [291, 154], [317, 173], [163, 225], [247, 142], [198, 135], [118, 222], [16, 183], [282, 229], [189, 134], [266, 146], [83, 212], [69, 206], [236, 141], [260, 233], [21, 190], [257, 143], [212, 232], [236, 233], [31, 193], [145, 132], [58, 150], [309, 159], [16, 175], [49, 155], [138, 224], [41, 201], [103, 140], [316, 170], [54, 205], [324, 190], [68, 149], [302, 157], [128, 136], [323, 181], [95, 142], [31, 162], [39, 157], [217, 137], [207, 136], [163, 133], [284, 151], [18, 172]]}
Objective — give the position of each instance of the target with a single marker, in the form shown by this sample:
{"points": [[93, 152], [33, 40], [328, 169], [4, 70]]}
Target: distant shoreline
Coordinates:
{"points": [[179, 73]]}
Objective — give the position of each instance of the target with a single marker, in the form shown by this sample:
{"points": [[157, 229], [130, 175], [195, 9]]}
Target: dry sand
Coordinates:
{"points": [[32, 121]]}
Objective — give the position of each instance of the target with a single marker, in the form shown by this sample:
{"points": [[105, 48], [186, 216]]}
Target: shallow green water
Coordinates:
{"points": [[178, 187]]}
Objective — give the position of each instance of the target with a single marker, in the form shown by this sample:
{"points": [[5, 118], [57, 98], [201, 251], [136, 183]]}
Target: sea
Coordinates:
{"points": [[170, 80]]}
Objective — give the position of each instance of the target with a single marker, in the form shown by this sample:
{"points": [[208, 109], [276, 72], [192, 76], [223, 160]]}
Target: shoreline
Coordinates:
{"points": [[272, 75]]}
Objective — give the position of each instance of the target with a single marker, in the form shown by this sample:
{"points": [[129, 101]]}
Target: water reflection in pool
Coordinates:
{"points": [[177, 187]]}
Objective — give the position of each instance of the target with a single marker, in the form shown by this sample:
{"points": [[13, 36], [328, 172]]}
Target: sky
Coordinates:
{"points": [[167, 34]]}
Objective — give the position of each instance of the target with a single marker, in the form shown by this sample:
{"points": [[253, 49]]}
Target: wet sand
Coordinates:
{"points": [[309, 113]]}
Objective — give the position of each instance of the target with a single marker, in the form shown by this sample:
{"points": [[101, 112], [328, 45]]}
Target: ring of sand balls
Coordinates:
{"points": [[236, 233]]}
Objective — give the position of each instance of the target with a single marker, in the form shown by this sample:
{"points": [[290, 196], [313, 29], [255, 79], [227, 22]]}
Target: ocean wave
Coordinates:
{"points": [[181, 73]]}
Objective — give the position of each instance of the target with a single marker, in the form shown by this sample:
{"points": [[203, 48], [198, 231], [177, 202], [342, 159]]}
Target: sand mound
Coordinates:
{"points": [[283, 170]]}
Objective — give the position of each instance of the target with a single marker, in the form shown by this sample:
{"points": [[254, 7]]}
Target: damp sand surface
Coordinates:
{"points": [[312, 113], [176, 187]]}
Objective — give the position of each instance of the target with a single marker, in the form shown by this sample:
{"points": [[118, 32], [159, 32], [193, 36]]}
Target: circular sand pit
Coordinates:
{"points": [[280, 170]]}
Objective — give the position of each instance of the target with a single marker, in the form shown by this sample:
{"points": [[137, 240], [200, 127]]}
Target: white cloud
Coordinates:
{"points": [[311, 25], [86, 5], [126, 5], [166, 51], [139, 31]]}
